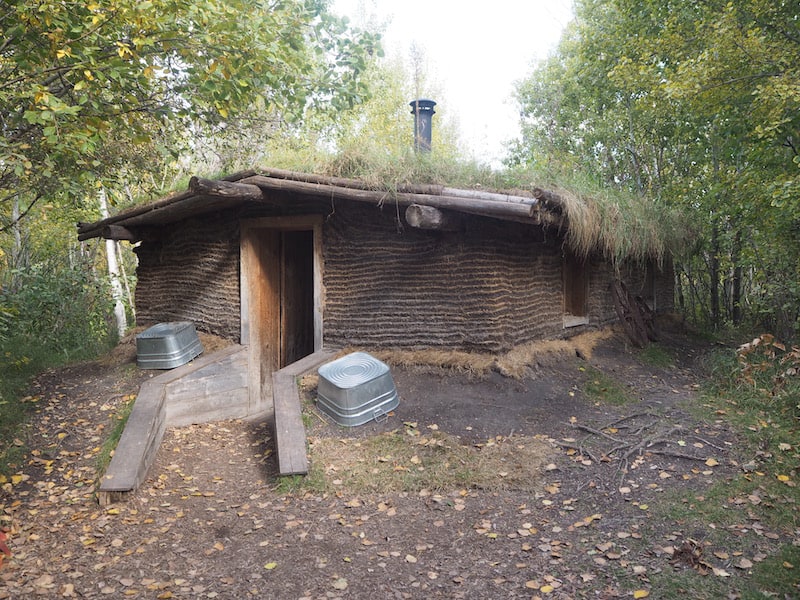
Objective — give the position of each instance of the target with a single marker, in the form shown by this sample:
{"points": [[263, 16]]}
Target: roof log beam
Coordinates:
{"points": [[523, 212], [225, 189]]}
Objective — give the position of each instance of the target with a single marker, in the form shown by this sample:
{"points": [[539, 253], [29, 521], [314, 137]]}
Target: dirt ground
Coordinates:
{"points": [[210, 523]]}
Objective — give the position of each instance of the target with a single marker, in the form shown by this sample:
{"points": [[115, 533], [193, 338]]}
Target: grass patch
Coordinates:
{"points": [[673, 584], [410, 460], [601, 388], [657, 355], [118, 422], [406, 460], [777, 577]]}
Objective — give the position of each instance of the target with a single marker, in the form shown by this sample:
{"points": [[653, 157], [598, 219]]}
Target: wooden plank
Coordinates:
{"points": [[290, 435], [310, 362], [138, 445], [205, 409], [200, 362]]}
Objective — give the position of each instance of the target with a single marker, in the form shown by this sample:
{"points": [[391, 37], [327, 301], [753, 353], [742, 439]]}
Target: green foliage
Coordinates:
{"points": [[64, 309], [57, 314], [93, 90], [657, 355], [691, 105]]}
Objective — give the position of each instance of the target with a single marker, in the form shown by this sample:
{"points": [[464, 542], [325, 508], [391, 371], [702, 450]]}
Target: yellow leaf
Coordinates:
{"points": [[641, 594], [546, 589], [270, 565], [711, 462], [783, 478], [219, 546]]}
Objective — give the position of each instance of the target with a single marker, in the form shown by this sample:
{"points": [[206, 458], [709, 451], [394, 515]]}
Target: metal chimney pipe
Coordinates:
{"points": [[423, 112]]}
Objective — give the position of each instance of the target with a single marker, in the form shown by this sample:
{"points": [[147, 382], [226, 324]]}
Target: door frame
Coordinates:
{"points": [[249, 267]]}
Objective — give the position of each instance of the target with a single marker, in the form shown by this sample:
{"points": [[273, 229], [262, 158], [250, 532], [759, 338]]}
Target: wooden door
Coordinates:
{"points": [[279, 274]]}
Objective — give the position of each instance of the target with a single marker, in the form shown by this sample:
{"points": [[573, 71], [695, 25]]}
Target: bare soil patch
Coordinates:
{"points": [[212, 521]]}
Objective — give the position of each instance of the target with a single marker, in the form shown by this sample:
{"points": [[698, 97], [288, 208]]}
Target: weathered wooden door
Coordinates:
{"points": [[279, 299]]}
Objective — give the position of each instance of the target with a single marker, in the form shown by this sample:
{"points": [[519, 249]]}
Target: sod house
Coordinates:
{"points": [[289, 266], [296, 262]]}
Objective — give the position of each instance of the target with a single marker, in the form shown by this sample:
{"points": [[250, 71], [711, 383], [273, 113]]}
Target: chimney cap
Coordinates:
{"points": [[422, 105]]}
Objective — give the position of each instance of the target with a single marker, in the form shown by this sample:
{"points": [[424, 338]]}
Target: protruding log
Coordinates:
{"points": [[428, 217], [550, 200], [225, 189], [119, 233]]}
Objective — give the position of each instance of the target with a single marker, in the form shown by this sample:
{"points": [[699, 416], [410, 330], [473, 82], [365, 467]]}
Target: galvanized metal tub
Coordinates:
{"points": [[356, 389], [167, 345]]}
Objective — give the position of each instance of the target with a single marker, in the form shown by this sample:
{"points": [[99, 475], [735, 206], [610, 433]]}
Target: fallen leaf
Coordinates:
{"points": [[641, 594], [712, 462], [270, 565], [340, 584]]}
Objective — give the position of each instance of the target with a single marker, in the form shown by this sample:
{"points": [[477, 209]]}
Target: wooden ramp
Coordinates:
{"points": [[211, 388], [290, 434]]}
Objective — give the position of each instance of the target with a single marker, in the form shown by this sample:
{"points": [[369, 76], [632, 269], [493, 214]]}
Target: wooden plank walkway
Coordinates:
{"points": [[209, 388], [138, 445], [290, 434]]}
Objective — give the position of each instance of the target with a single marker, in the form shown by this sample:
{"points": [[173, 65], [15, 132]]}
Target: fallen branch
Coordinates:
{"points": [[678, 455], [594, 431]]}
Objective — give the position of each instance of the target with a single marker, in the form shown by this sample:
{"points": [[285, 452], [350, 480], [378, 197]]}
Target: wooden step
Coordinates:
{"points": [[138, 445], [290, 434]]}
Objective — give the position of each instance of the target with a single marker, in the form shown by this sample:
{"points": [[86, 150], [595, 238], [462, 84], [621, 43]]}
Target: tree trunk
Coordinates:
{"points": [[736, 278], [114, 274], [713, 274]]}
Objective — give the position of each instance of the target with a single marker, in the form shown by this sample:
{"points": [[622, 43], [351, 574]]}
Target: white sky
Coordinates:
{"points": [[474, 51]]}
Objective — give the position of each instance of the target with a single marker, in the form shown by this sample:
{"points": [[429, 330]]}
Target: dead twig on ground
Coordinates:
{"points": [[594, 431]]}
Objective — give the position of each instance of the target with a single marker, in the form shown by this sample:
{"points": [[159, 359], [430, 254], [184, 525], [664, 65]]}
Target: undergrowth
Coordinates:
{"points": [[52, 315], [754, 512]]}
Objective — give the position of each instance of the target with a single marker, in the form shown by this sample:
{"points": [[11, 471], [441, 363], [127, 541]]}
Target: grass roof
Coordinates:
{"points": [[616, 224]]}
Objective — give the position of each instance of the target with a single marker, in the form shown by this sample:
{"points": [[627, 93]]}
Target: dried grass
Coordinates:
{"points": [[473, 364], [406, 461], [521, 361]]}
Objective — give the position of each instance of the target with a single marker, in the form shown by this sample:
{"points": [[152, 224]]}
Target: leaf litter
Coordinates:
{"points": [[547, 517]]}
